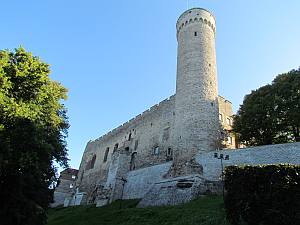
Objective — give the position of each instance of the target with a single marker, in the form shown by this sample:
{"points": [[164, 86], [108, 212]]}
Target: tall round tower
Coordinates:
{"points": [[196, 106]]}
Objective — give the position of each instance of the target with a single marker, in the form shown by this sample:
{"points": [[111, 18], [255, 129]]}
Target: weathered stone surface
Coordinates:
{"points": [[65, 189], [139, 182], [196, 107], [164, 156], [269, 154], [179, 190]]}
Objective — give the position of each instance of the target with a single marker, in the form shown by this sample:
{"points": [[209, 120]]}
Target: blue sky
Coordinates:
{"points": [[118, 58]]}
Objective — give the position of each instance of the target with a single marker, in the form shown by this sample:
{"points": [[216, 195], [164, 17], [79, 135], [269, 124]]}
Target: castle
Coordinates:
{"points": [[165, 155]]}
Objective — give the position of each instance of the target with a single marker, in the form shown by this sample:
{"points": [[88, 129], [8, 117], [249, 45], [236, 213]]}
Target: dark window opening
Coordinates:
{"points": [[196, 34], [127, 149], [129, 138], [132, 161], [106, 155], [116, 147], [93, 162], [169, 154]]}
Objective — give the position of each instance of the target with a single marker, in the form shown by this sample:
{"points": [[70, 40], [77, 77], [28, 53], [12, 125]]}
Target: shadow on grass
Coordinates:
{"points": [[204, 211]]}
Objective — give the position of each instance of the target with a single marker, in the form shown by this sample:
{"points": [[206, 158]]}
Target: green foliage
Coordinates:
{"points": [[263, 195], [204, 211], [33, 128], [271, 114]]}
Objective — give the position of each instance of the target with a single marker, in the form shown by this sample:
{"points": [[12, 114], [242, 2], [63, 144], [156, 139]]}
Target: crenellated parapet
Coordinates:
{"points": [[196, 15], [137, 119]]}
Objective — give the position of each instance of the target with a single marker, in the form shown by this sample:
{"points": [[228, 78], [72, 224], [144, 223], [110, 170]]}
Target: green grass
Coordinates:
{"points": [[204, 211]]}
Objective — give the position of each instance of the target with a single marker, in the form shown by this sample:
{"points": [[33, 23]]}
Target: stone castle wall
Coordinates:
{"points": [[143, 182], [269, 154], [149, 142], [151, 129], [178, 127]]}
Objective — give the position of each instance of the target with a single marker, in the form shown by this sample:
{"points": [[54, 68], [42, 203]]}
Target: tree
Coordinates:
{"points": [[287, 101], [33, 128], [271, 114]]}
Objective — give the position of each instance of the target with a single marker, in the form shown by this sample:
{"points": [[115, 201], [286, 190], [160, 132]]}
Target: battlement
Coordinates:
{"points": [[138, 118], [196, 15]]}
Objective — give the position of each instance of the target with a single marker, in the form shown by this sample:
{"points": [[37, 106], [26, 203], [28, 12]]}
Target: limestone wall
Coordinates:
{"points": [[270, 154], [148, 136], [196, 107], [139, 182], [153, 128]]}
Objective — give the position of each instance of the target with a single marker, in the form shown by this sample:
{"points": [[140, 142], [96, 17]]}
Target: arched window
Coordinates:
{"points": [[93, 162], [106, 154]]}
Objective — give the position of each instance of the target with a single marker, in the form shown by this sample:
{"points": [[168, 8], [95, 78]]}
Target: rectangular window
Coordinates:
{"points": [[169, 152], [73, 177], [228, 121], [156, 150], [116, 147], [229, 140], [221, 117], [196, 34], [106, 154]]}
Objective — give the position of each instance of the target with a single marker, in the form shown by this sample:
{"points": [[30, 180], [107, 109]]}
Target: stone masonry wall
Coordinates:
{"points": [[196, 107], [146, 137], [269, 154], [151, 129], [139, 182]]}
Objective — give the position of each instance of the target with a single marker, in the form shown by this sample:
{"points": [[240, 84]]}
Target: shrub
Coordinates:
{"points": [[263, 195]]}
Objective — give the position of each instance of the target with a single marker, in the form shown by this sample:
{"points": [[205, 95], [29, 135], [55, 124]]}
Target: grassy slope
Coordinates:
{"points": [[204, 211]]}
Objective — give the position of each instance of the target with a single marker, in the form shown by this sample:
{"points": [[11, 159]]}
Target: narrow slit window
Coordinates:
{"points": [[106, 155], [196, 34]]}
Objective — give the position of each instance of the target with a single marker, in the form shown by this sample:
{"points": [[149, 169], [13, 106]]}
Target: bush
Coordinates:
{"points": [[263, 195]]}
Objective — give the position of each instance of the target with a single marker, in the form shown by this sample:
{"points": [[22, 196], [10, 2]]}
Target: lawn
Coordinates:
{"points": [[204, 211]]}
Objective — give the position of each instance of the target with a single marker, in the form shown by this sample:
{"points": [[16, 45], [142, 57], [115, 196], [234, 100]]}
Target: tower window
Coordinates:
{"points": [[196, 34]]}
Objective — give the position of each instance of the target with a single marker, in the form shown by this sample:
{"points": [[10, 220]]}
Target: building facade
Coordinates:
{"points": [[164, 156], [176, 129]]}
